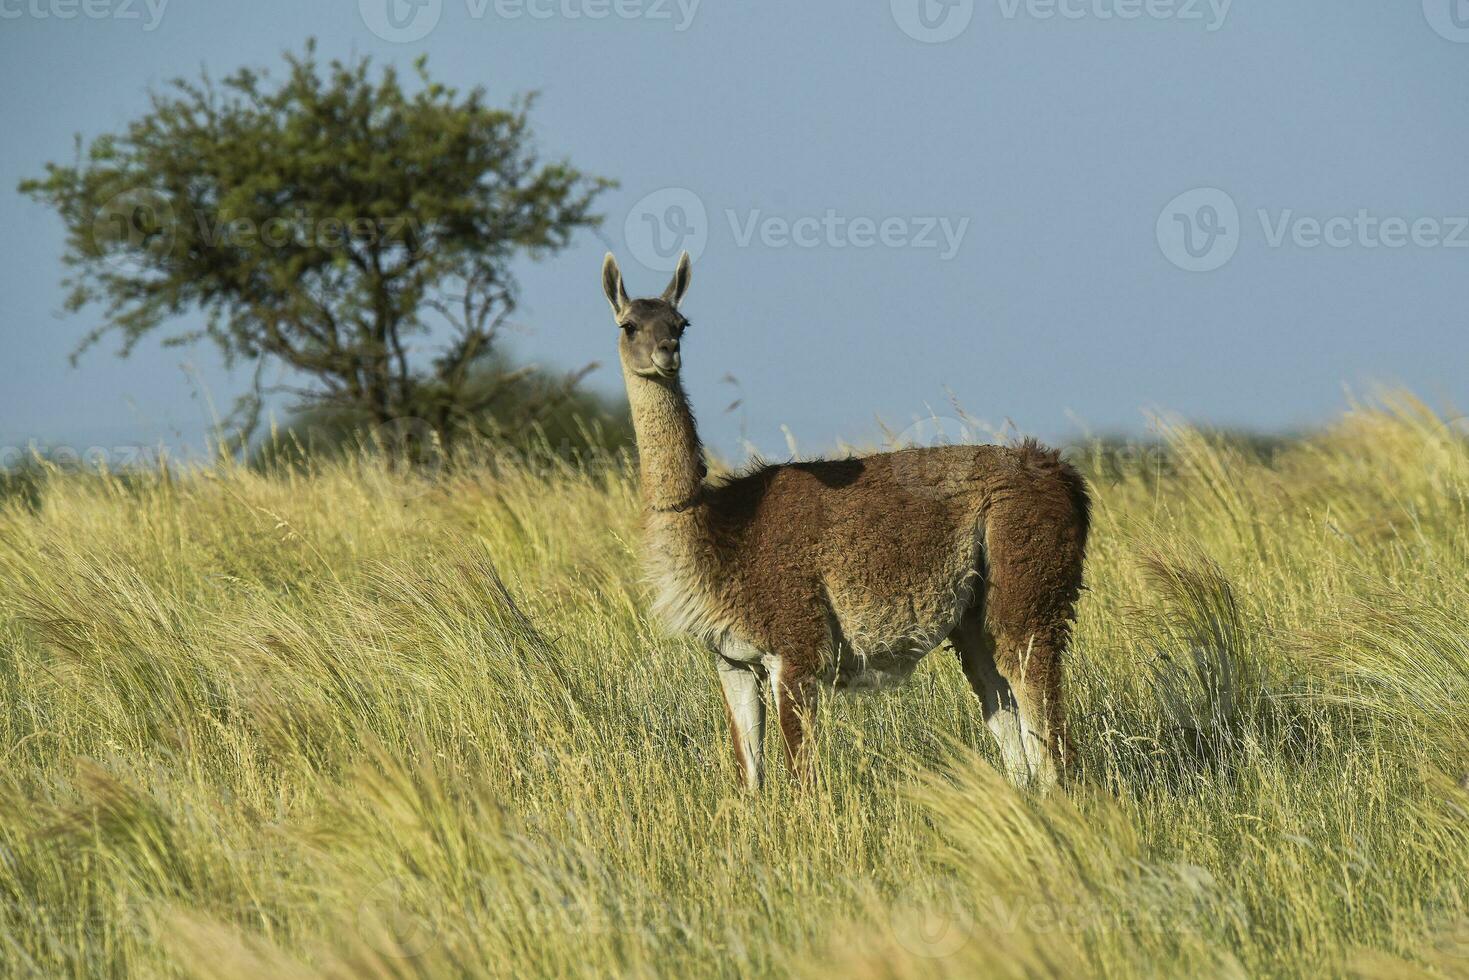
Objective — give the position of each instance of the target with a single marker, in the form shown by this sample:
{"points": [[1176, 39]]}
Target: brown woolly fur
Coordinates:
{"points": [[844, 573]]}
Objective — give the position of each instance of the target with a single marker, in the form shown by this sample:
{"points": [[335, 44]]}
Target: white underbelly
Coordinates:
{"points": [[881, 672], [850, 669]]}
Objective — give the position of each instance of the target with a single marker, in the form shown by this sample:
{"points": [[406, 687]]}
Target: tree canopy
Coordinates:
{"points": [[335, 222]]}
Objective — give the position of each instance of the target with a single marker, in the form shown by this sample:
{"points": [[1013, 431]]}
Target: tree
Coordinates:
{"points": [[321, 223], [536, 413]]}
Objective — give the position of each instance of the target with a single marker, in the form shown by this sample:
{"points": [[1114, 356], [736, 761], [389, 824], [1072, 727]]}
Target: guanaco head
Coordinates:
{"points": [[651, 328]]}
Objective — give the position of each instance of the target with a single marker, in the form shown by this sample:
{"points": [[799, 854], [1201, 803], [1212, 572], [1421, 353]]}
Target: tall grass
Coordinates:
{"points": [[353, 720]]}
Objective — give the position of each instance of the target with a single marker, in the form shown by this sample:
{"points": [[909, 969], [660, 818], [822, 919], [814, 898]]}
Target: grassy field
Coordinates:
{"points": [[365, 722]]}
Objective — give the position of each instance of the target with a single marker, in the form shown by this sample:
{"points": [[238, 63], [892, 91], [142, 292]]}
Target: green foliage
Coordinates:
{"points": [[324, 222], [26, 474], [529, 412], [22, 481], [358, 720]]}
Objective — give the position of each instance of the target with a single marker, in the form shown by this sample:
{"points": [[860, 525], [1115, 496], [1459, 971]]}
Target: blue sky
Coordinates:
{"points": [[1063, 212]]}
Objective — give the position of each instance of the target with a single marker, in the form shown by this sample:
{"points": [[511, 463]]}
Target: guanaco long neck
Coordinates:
{"points": [[670, 459]]}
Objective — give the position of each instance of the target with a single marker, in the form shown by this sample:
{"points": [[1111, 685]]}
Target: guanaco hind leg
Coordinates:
{"points": [[1017, 722], [744, 705]]}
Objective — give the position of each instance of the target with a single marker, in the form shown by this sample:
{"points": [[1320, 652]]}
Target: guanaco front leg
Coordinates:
{"points": [[795, 692]]}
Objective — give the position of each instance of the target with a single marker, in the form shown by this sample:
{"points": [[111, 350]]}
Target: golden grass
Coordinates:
{"points": [[355, 721]]}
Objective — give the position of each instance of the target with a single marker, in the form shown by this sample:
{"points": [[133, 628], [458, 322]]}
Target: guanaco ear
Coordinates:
{"points": [[612, 285], [680, 282]]}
